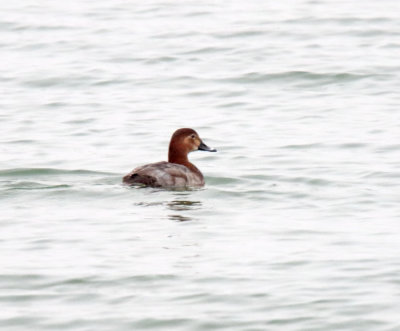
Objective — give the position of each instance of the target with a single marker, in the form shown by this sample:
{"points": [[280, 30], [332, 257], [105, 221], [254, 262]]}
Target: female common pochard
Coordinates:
{"points": [[178, 171]]}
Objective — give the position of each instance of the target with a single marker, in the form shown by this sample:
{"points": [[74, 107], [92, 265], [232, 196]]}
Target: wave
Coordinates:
{"points": [[327, 77], [48, 172]]}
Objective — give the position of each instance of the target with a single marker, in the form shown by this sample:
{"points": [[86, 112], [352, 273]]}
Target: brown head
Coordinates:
{"points": [[184, 141]]}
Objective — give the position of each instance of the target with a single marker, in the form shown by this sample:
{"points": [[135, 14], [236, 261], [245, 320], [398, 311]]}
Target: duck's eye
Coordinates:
{"points": [[192, 136]]}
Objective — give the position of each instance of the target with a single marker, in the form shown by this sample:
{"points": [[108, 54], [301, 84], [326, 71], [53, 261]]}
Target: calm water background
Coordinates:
{"points": [[297, 227]]}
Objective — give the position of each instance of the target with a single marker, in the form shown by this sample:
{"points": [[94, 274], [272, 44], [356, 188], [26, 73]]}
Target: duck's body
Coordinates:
{"points": [[178, 171], [164, 174]]}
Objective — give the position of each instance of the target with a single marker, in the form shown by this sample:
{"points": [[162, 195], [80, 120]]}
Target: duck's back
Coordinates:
{"points": [[164, 174]]}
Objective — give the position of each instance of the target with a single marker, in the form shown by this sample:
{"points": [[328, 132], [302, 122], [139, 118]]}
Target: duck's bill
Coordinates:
{"points": [[204, 147]]}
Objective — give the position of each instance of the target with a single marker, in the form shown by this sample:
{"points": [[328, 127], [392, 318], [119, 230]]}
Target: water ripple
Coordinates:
{"points": [[297, 76]]}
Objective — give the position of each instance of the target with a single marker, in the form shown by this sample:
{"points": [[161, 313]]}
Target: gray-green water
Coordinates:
{"points": [[297, 227]]}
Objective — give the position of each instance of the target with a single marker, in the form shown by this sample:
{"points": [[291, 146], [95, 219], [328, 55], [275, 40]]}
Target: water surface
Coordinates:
{"points": [[297, 226]]}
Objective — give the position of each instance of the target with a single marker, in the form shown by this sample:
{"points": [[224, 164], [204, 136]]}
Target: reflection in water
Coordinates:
{"points": [[182, 205], [180, 218]]}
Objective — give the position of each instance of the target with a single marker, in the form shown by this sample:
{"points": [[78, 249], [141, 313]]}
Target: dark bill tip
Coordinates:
{"points": [[204, 147]]}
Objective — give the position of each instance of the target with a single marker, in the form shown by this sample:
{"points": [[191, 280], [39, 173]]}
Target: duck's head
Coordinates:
{"points": [[186, 140]]}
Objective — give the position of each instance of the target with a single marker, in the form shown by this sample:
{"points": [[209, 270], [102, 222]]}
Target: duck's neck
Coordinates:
{"points": [[176, 156]]}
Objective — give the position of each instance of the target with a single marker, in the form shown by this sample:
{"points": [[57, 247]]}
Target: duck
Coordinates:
{"points": [[178, 171]]}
